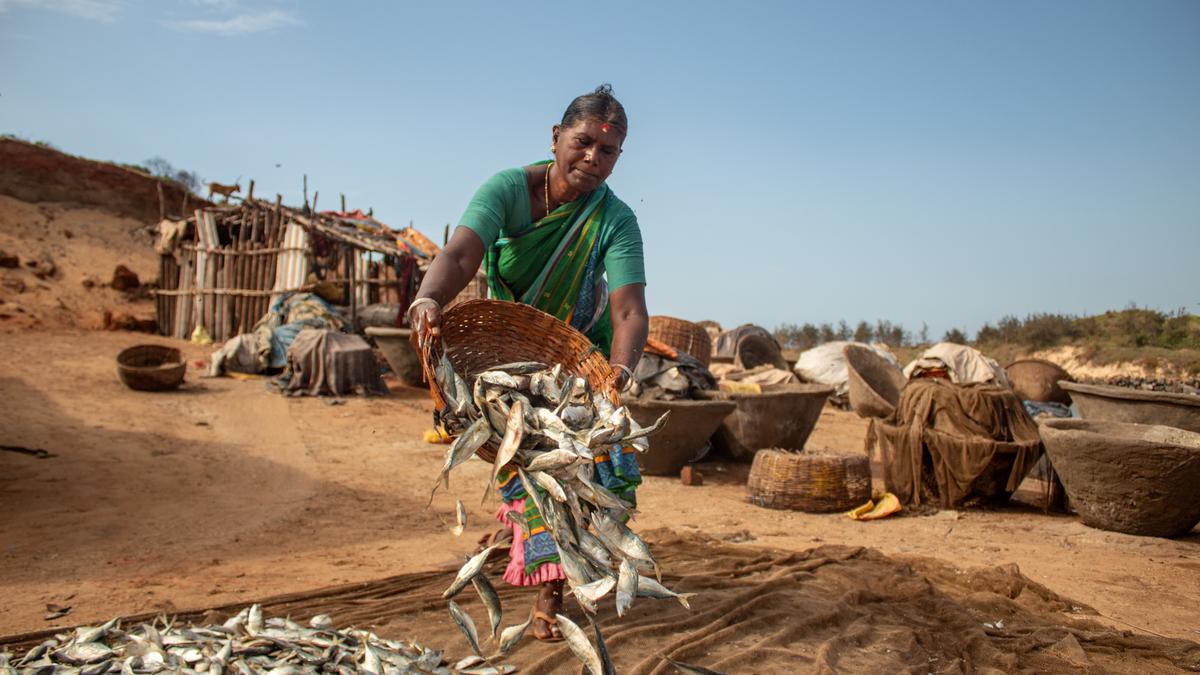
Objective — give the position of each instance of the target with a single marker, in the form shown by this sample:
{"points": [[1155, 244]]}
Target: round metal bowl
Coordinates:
{"points": [[1122, 404], [684, 437], [151, 368]]}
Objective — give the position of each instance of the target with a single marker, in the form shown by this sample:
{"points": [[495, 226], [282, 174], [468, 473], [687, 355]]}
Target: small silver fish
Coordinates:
{"points": [[578, 642], [649, 588], [83, 653], [509, 637], [371, 662], [652, 429], [514, 431], [606, 664], [627, 585], [518, 520], [467, 571], [490, 598], [496, 378], [460, 519], [468, 662], [466, 625], [613, 532], [254, 620], [463, 448], [550, 484], [593, 548], [596, 589], [553, 460]]}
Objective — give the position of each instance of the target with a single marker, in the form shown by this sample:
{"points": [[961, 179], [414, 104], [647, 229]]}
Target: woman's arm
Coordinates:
{"points": [[631, 325], [446, 277]]}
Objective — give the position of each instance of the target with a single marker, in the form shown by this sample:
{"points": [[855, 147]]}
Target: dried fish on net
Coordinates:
{"points": [[248, 643], [550, 426]]}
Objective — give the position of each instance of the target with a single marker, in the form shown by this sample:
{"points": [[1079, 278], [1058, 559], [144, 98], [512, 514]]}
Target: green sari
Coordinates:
{"points": [[554, 266]]}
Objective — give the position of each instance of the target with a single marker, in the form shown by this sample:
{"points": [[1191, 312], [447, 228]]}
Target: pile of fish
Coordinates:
{"points": [[550, 426], [245, 644]]}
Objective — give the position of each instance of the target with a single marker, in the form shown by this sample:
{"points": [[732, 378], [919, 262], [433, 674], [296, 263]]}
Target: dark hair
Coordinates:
{"points": [[599, 105]]}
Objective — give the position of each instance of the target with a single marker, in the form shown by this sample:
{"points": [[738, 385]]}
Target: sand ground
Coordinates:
{"points": [[223, 491]]}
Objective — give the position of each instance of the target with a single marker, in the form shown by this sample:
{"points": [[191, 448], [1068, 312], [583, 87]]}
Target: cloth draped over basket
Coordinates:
{"points": [[978, 440]]}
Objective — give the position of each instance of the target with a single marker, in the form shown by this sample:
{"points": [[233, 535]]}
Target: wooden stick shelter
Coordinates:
{"points": [[224, 266]]}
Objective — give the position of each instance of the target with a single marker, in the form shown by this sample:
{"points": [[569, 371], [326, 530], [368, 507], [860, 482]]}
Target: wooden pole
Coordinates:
{"points": [[352, 257], [343, 202], [162, 201], [250, 191], [306, 193], [445, 233]]}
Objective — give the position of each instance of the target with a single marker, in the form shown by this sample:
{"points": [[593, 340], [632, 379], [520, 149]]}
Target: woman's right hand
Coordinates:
{"points": [[425, 318]]}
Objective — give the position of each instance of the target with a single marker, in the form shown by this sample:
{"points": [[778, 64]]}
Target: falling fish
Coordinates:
{"points": [[578, 642], [460, 518], [468, 571], [649, 588], [466, 625], [606, 664], [627, 585], [509, 637], [490, 598]]}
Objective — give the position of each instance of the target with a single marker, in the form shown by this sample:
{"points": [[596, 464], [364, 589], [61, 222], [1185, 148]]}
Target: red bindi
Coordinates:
{"points": [[604, 128]]}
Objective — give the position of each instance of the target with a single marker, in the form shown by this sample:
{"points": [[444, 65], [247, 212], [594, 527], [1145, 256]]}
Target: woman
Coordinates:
{"points": [[554, 236]]}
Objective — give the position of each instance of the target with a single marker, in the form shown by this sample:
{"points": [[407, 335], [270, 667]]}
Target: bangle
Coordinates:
{"points": [[628, 372], [416, 303]]}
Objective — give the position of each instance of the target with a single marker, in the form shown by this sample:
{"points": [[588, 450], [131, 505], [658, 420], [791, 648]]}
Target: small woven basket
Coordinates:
{"points": [[151, 367], [809, 481], [481, 334], [685, 336]]}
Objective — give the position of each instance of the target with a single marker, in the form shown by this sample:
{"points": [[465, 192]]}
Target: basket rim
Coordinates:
{"points": [[432, 352]]}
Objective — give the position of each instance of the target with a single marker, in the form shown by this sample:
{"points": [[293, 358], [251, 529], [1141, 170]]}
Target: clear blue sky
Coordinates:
{"points": [[948, 162]]}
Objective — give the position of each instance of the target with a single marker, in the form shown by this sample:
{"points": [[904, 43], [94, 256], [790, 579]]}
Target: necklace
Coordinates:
{"points": [[548, 188]]}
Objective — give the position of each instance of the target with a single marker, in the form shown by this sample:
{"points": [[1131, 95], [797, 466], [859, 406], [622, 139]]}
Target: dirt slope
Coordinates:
{"points": [[65, 256]]}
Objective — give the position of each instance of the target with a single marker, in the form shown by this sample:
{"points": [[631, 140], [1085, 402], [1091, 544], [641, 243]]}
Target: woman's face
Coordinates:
{"points": [[587, 151]]}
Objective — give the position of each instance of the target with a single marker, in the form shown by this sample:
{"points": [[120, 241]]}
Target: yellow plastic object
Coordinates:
{"points": [[436, 436], [201, 336], [857, 512], [886, 505]]}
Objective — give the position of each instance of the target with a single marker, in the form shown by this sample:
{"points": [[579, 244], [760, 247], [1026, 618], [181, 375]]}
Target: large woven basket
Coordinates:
{"points": [[481, 334], [809, 481], [685, 336]]}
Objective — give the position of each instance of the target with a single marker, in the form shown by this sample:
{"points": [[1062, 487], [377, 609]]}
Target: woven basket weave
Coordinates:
{"points": [[809, 481], [482, 334], [685, 336]]}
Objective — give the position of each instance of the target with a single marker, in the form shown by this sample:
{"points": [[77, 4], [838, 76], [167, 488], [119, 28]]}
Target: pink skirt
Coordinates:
{"points": [[515, 573]]}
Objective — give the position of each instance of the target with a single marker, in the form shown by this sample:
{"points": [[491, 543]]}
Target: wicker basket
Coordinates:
{"points": [[481, 334], [685, 336], [151, 368], [809, 481]]}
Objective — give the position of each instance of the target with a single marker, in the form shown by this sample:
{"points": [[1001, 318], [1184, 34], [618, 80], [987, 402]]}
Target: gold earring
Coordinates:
{"points": [[553, 148]]}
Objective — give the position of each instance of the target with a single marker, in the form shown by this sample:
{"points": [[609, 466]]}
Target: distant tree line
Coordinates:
{"points": [[807, 336], [1131, 327]]}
